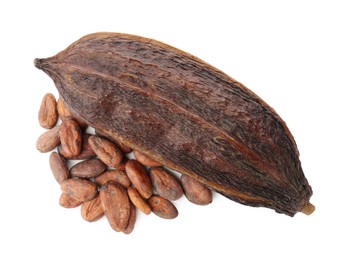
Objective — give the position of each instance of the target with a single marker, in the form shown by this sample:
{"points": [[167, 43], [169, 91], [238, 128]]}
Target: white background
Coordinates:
{"points": [[288, 52]]}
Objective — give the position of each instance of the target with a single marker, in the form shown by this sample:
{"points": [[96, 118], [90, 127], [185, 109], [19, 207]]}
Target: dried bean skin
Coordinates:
{"points": [[184, 113]]}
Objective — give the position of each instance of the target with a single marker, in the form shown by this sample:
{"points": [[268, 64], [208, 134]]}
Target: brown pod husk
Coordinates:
{"points": [[184, 113]]}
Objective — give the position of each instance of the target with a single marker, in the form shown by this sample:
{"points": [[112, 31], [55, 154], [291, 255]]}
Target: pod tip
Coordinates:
{"points": [[38, 63], [308, 209]]}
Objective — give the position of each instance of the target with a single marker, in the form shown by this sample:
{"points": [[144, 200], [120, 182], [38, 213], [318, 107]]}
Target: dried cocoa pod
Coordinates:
{"points": [[82, 190], [183, 113], [48, 114], [68, 201], [70, 138], [138, 201], [145, 160], [123, 148], [139, 178], [64, 114], [165, 184], [48, 140], [59, 167], [106, 150], [119, 177], [92, 210], [132, 220], [162, 207], [88, 168], [195, 191], [116, 205], [86, 150]]}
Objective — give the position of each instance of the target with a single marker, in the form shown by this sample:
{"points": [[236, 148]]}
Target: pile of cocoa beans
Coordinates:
{"points": [[95, 172]]}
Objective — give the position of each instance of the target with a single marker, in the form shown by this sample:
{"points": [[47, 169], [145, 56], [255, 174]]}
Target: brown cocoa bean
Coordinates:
{"points": [[165, 184], [48, 140], [116, 205], [106, 150], [195, 191], [70, 137], [48, 114], [67, 201], [122, 166], [162, 207], [92, 210], [115, 176], [138, 201], [145, 160], [88, 168], [59, 167], [80, 189], [132, 220], [64, 114], [139, 178], [121, 146], [86, 150]]}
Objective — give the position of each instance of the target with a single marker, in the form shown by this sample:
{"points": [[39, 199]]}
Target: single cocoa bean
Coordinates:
{"points": [[145, 160], [86, 150], [195, 191], [138, 201], [162, 207], [92, 210], [59, 167], [115, 176], [165, 184], [64, 114], [123, 148], [70, 137], [48, 140], [116, 205], [80, 189], [88, 168], [132, 220], [67, 201], [139, 178], [106, 150], [48, 114]]}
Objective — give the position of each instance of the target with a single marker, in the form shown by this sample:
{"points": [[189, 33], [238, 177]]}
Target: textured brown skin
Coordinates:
{"points": [[138, 201], [88, 168], [183, 113], [49, 140], [132, 220], [116, 205], [48, 114], [70, 138], [162, 207], [82, 190], [195, 191], [106, 150], [115, 176], [92, 210], [165, 184], [59, 167], [139, 178], [86, 150], [68, 201], [145, 160]]}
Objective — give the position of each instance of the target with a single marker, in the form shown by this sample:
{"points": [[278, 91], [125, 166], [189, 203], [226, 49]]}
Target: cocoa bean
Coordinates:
{"points": [[138, 201], [145, 160], [195, 191], [48, 140], [162, 207], [92, 210], [68, 201], [65, 113], [70, 137], [88, 168], [115, 176], [59, 167], [86, 150], [121, 146], [80, 189], [139, 178], [48, 114], [132, 220]]}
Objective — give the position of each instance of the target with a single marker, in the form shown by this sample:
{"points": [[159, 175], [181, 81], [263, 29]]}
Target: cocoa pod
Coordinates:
{"points": [[116, 205], [162, 207], [106, 150], [132, 220], [139, 178], [119, 177], [59, 167], [70, 138], [165, 184], [49, 140], [92, 210], [48, 114], [68, 201], [138, 201], [123, 148], [145, 160], [195, 191], [86, 150], [82, 190], [88, 168], [184, 113], [64, 114]]}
